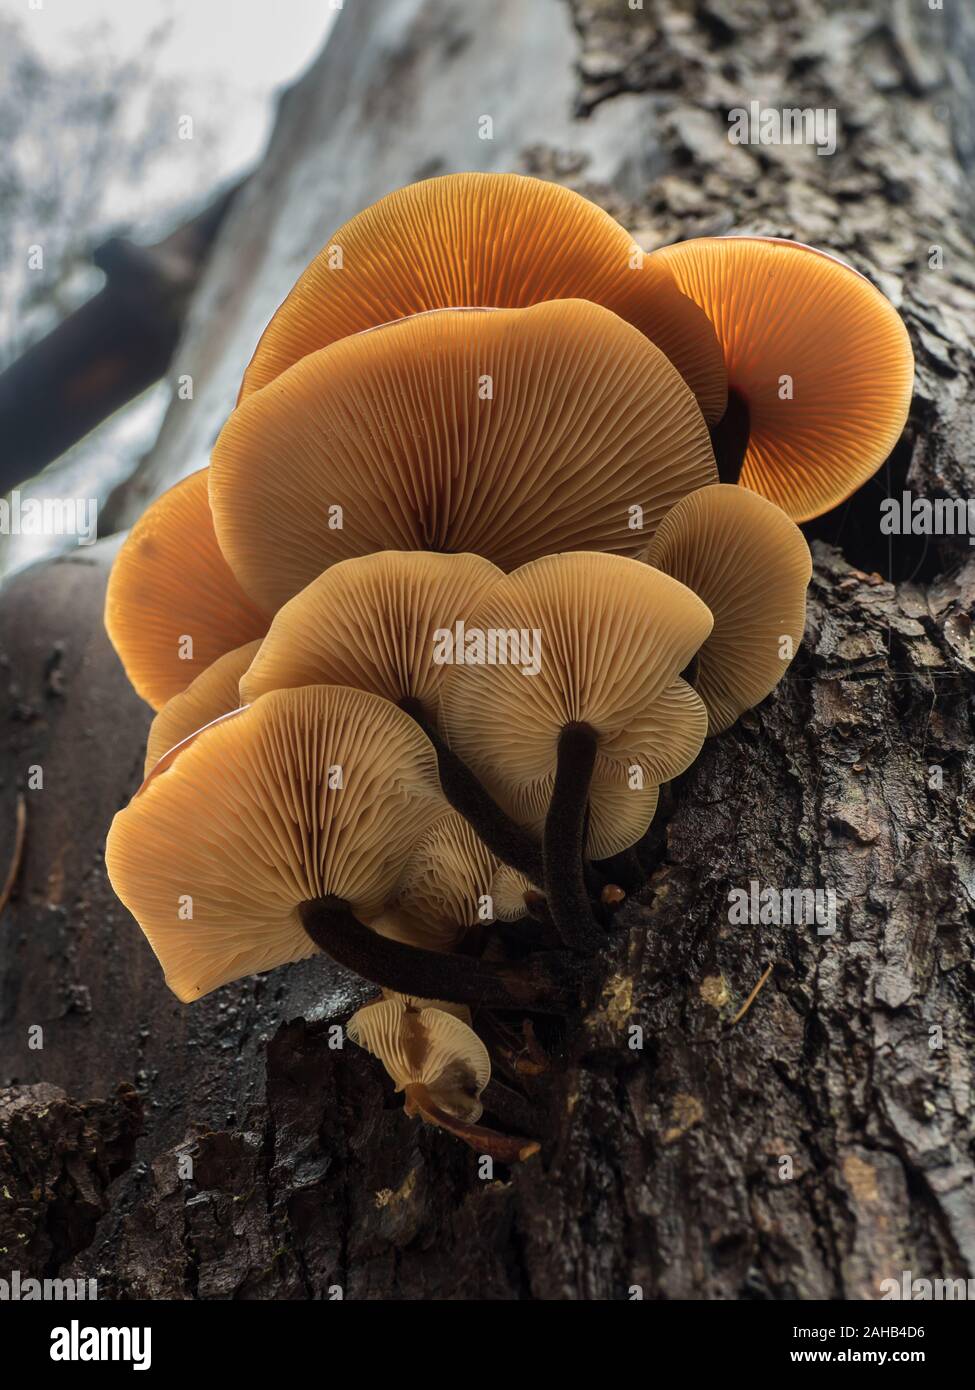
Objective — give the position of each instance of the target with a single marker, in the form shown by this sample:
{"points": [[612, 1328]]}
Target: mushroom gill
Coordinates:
{"points": [[430, 933], [442, 1067], [511, 893], [448, 876], [506, 433], [212, 693], [820, 368], [751, 566], [306, 794], [613, 637], [173, 605], [581, 743], [381, 622], [485, 240], [426, 1047], [372, 623]]}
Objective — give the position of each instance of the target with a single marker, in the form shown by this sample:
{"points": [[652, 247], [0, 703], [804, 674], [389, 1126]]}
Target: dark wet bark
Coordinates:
{"points": [[662, 1166], [58, 1158]]}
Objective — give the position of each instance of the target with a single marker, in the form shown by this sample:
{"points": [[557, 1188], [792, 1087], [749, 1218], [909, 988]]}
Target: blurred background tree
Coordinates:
{"points": [[91, 148]]}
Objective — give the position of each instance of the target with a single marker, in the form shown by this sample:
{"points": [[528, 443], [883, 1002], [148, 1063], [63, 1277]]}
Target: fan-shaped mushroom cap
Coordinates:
{"points": [[586, 420], [492, 240], [751, 566], [307, 793], [448, 875], [214, 692], [427, 1047], [371, 623], [508, 889], [411, 1001], [614, 634], [170, 582], [781, 310]]}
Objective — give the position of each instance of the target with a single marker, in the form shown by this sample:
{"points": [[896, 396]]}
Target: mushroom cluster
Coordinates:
{"points": [[502, 528]]}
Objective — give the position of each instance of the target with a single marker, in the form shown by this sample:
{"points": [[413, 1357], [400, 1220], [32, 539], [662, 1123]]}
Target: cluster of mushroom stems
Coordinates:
{"points": [[502, 528]]}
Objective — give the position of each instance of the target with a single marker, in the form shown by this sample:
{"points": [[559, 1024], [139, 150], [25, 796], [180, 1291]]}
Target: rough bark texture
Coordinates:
{"points": [[662, 1166]]}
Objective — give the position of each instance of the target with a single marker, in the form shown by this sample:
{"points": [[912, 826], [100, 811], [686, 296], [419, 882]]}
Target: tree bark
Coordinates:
{"points": [[809, 1147]]}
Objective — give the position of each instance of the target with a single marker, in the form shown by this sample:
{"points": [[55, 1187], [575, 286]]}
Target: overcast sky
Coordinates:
{"points": [[241, 50]]}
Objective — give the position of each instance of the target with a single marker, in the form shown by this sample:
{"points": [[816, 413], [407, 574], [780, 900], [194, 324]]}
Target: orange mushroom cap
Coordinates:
{"points": [[173, 606], [371, 623], [213, 693], [613, 637], [507, 433], [781, 311], [485, 240], [751, 566], [306, 794]]}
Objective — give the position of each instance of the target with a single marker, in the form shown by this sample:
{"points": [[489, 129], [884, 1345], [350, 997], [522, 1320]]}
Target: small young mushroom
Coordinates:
{"points": [[513, 894], [605, 719], [751, 566], [489, 240], [173, 606], [506, 433], [820, 368], [284, 828], [441, 1066], [411, 1001], [212, 693]]}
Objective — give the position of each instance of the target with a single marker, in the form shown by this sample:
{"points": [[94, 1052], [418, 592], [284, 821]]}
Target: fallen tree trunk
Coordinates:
{"points": [[808, 1145], [108, 351]]}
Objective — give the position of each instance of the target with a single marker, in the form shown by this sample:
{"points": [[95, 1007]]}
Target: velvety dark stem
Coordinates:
{"points": [[563, 842], [499, 832], [542, 982], [729, 438], [593, 879]]}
